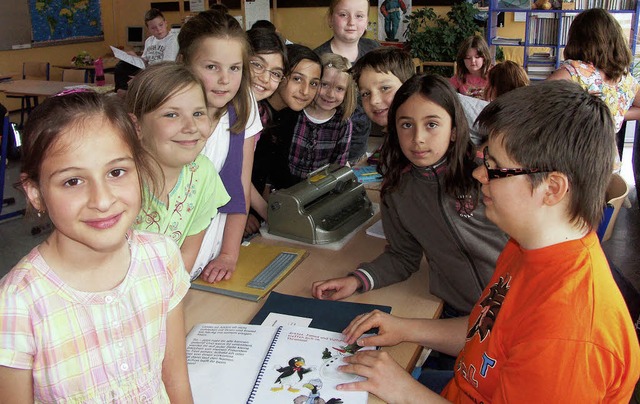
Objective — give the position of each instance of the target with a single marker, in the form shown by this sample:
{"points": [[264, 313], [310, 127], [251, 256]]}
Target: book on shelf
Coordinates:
{"points": [[259, 269], [243, 363], [499, 40], [515, 4], [540, 68], [538, 76], [331, 315]]}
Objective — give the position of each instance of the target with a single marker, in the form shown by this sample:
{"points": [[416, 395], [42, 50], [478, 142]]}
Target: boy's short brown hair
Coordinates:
{"points": [[386, 59], [152, 14], [558, 126]]}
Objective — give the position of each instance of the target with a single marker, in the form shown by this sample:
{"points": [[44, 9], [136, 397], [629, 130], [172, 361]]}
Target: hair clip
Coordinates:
{"points": [[74, 91]]}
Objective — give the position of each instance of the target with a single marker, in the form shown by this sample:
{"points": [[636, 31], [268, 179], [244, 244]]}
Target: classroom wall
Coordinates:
{"points": [[512, 29], [305, 25]]}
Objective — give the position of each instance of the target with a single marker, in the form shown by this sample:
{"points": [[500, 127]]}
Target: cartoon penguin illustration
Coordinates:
{"points": [[290, 375], [314, 396]]}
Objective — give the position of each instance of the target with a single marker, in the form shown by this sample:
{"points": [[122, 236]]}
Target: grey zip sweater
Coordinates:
{"points": [[460, 245]]}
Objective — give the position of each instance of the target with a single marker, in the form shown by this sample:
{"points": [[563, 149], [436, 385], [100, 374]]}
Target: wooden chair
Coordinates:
{"points": [[75, 75], [420, 65], [32, 71]]}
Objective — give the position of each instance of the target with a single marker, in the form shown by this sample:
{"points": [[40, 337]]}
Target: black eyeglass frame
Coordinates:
{"points": [[259, 68], [494, 173]]}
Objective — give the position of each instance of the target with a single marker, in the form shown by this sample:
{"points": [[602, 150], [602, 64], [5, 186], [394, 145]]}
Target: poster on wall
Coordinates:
{"points": [[56, 21], [390, 15], [255, 10]]}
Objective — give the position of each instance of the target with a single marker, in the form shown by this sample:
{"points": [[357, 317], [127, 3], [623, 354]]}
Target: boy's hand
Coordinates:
{"points": [[335, 289], [385, 378], [219, 268], [390, 329]]}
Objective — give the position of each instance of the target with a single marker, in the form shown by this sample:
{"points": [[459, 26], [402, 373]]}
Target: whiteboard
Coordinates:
{"points": [[15, 24]]}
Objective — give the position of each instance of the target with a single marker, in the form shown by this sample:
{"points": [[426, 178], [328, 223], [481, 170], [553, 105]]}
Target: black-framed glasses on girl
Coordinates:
{"points": [[493, 173], [259, 68]]}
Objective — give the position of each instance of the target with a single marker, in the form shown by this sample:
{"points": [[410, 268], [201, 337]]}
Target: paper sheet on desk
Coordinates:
{"points": [[125, 57]]}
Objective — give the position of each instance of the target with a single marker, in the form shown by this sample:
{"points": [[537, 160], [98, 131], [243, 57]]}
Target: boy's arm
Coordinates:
{"points": [[16, 385], [174, 365], [444, 335]]}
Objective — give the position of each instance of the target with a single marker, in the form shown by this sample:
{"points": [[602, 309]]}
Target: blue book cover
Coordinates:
{"points": [[367, 174], [325, 314]]}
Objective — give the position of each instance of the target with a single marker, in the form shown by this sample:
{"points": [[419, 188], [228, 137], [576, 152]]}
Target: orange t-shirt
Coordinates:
{"points": [[551, 326]]}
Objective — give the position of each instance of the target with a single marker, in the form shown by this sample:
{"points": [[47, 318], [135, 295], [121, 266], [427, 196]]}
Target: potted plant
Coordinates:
{"points": [[434, 38]]}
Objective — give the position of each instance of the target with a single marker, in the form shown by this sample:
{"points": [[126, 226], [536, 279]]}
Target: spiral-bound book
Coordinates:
{"points": [[241, 363]]}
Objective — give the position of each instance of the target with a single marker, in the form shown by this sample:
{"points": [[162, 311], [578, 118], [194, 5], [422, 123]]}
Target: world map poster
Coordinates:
{"points": [[65, 20]]}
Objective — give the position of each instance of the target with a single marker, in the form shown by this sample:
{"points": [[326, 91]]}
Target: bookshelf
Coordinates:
{"points": [[545, 31]]}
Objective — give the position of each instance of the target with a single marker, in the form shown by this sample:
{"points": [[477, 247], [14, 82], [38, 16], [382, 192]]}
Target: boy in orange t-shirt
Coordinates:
{"points": [[551, 326]]}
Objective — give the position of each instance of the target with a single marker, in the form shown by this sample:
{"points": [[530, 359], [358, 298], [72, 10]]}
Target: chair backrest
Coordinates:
{"points": [[35, 70], [420, 65], [75, 75]]}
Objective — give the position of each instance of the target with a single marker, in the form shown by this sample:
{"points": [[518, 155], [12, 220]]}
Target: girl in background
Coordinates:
{"points": [[296, 92], [473, 66], [504, 77], [427, 158], [94, 313], [168, 105], [597, 57], [348, 20], [215, 47], [323, 132]]}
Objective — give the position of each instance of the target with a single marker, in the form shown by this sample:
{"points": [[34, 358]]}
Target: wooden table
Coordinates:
{"points": [[35, 88], [7, 76], [410, 298]]}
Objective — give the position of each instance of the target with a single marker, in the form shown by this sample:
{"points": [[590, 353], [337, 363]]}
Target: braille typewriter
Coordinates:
{"points": [[322, 209]]}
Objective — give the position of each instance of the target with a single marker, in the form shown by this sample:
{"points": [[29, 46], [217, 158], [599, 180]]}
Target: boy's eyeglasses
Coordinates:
{"points": [[258, 68], [506, 172]]}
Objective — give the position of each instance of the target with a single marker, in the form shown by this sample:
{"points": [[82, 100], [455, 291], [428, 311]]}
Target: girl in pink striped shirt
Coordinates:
{"points": [[94, 313]]}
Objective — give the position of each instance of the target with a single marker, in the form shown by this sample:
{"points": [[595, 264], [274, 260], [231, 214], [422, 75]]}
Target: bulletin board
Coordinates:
{"points": [[31, 23], [15, 25]]}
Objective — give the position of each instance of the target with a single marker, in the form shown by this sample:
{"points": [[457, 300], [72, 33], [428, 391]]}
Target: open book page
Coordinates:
{"points": [[224, 360], [303, 364], [125, 57], [238, 363]]}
